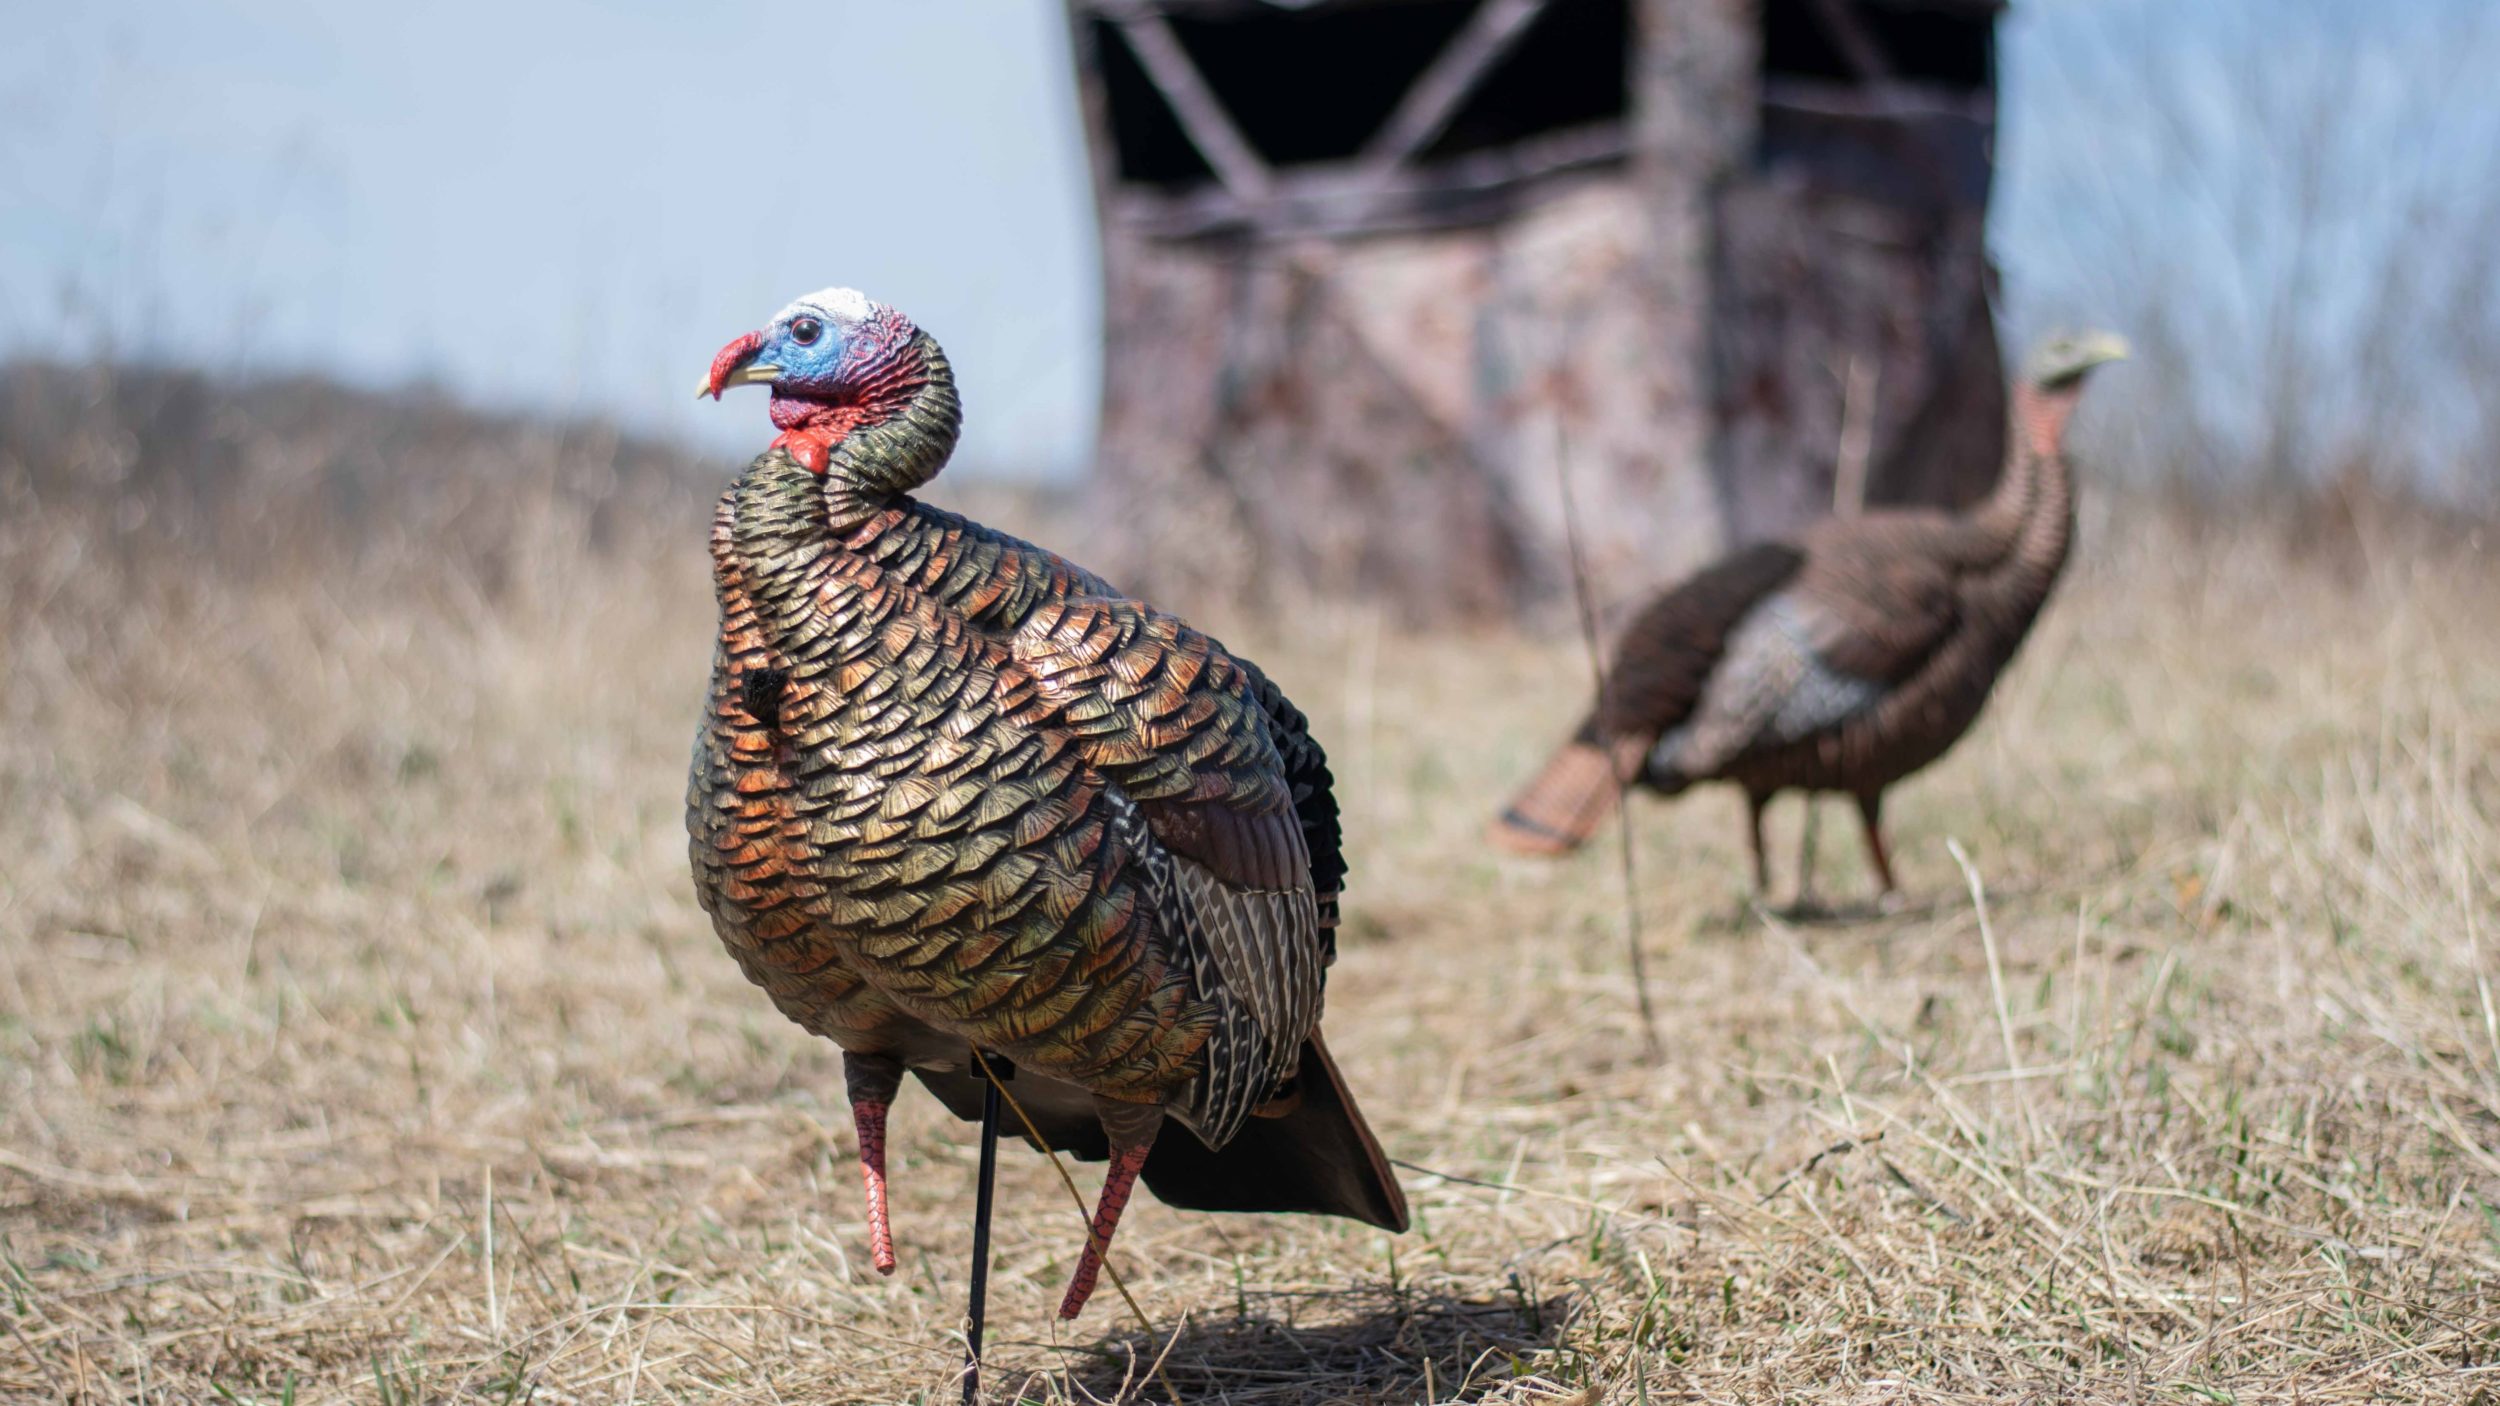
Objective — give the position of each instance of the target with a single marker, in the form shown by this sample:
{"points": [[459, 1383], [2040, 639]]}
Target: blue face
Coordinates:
{"points": [[811, 348]]}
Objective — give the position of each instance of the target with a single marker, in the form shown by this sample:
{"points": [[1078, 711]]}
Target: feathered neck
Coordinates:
{"points": [[773, 509], [2031, 510], [774, 559]]}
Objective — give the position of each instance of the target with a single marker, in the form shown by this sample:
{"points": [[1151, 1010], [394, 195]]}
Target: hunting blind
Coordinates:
{"points": [[1402, 296]]}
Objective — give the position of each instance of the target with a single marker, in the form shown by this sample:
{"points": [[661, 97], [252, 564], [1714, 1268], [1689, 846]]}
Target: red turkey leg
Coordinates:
{"points": [[1126, 1163], [1753, 832], [1871, 815], [869, 1117], [873, 1080]]}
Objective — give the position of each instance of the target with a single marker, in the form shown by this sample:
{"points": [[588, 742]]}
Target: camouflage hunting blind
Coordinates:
{"points": [[1374, 270]]}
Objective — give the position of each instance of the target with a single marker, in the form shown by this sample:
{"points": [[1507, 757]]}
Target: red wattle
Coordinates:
{"points": [[812, 447], [811, 428]]}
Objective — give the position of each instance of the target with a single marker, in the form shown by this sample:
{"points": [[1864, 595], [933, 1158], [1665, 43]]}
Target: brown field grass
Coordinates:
{"points": [[361, 1040]]}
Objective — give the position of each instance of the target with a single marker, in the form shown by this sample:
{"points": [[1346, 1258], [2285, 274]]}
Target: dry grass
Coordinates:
{"points": [[360, 1040]]}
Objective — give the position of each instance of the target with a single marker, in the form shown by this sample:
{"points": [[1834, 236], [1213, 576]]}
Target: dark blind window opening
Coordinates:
{"points": [[1572, 68], [1919, 138], [1946, 46], [1149, 142], [1312, 86]]}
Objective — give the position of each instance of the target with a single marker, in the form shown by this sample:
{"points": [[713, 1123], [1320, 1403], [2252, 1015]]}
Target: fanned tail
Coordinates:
{"points": [[1563, 804]]}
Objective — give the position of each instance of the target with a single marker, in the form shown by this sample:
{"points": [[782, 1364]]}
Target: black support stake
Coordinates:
{"points": [[978, 1309]]}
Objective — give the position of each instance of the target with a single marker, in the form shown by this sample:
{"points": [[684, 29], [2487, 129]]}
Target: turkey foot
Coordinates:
{"points": [[1126, 1163], [873, 1081]]}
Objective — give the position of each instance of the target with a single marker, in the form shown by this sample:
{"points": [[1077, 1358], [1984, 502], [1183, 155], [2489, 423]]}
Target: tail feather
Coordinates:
{"points": [[1317, 1156], [1563, 804], [1310, 1153]]}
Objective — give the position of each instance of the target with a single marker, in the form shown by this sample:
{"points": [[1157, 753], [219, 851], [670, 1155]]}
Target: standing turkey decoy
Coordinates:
{"points": [[955, 801], [1841, 661]]}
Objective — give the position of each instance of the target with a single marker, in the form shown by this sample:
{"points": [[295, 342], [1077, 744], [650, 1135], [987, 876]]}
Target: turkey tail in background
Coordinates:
{"points": [[1562, 805]]}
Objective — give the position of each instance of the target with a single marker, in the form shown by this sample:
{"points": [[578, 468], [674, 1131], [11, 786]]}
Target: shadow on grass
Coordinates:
{"points": [[1923, 906], [1745, 916], [1360, 1346], [1815, 912]]}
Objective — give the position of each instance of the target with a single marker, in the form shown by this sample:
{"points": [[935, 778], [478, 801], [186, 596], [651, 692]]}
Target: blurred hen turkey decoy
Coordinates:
{"points": [[953, 794], [1841, 661]]}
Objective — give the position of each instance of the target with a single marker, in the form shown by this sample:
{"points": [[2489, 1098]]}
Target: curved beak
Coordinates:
{"points": [[2100, 348], [736, 366]]}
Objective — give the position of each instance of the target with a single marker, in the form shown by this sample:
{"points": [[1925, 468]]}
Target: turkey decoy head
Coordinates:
{"points": [[2045, 400], [2062, 361], [849, 374]]}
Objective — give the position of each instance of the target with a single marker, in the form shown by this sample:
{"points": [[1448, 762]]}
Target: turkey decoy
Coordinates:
{"points": [[956, 801], [1841, 661]]}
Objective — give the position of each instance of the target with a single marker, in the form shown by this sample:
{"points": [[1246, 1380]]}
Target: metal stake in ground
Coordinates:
{"points": [[992, 1071]]}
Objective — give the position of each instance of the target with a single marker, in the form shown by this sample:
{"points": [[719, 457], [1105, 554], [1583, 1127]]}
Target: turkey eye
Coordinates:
{"points": [[806, 330]]}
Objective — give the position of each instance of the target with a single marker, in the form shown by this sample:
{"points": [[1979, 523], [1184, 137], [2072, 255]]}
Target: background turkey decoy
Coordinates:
{"points": [[953, 793], [1841, 661]]}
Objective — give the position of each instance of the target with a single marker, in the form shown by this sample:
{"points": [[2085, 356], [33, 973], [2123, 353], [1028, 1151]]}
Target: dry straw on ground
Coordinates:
{"points": [[360, 1041]]}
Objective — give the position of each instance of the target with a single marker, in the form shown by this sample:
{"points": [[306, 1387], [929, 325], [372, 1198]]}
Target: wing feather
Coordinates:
{"points": [[1181, 728]]}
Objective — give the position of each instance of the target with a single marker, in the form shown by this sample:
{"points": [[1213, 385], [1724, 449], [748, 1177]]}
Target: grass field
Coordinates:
{"points": [[360, 1039]]}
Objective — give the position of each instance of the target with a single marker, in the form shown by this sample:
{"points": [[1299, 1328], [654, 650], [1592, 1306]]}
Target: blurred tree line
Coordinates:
{"points": [[2290, 206]]}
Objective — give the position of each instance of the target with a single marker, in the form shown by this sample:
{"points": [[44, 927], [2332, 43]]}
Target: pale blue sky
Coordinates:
{"points": [[570, 205]]}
